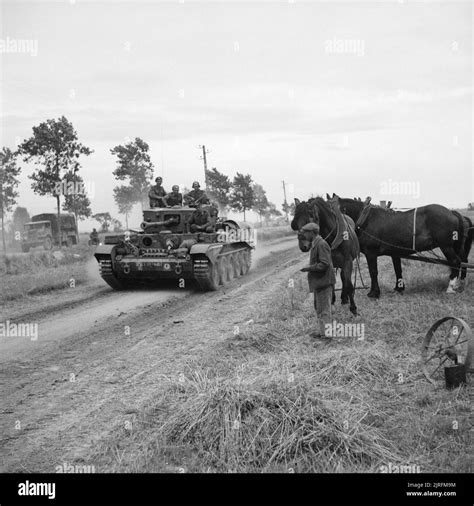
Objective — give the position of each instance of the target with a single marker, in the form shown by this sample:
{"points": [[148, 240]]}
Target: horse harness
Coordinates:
{"points": [[365, 214]]}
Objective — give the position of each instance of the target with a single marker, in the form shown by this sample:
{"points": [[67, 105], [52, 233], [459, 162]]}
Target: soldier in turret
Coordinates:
{"points": [[175, 198], [200, 221], [157, 194], [196, 196]]}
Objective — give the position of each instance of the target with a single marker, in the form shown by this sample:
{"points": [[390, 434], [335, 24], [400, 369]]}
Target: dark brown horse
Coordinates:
{"points": [[339, 232], [399, 234]]}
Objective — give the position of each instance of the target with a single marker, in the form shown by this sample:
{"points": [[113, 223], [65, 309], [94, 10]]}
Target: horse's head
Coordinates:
{"points": [[333, 202], [304, 213]]}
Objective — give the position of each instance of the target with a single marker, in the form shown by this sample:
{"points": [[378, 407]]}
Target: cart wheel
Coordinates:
{"points": [[449, 341]]}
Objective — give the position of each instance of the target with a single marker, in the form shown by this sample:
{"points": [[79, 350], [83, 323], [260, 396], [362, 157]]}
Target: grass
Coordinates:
{"points": [[269, 233], [270, 399], [42, 271]]}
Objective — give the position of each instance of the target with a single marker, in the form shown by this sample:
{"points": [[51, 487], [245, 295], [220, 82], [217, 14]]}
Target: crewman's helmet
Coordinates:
{"points": [[175, 188], [196, 184], [159, 180], [94, 230]]}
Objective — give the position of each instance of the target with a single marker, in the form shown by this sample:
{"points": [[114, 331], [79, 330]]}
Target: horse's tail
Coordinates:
{"points": [[469, 239]]}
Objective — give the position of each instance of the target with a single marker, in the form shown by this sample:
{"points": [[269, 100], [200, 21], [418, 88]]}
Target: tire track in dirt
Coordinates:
{"points": [[65, 398]]}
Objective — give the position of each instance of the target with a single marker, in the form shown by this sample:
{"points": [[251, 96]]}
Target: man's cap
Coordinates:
{"points": [[175, 187], [196, 183], [310, 227], [158, 178]]}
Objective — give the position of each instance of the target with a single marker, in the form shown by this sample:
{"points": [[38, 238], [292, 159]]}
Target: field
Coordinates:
{"points": [[232, 382], [271, 399]]}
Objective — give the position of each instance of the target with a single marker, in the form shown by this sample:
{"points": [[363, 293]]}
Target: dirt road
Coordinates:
{"points": [[101, 355]]}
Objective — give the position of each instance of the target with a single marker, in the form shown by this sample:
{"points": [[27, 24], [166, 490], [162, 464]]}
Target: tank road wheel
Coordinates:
{"points": [[241, 262], [247, 261], [223, 271], [230, 267], [236, 264], [449, 341]]}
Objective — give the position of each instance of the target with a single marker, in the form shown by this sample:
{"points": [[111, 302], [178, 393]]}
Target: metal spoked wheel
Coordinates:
{"points": [[449, 341]]}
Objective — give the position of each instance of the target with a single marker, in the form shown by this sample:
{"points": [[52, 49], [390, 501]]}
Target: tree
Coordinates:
{"points": [[134, 166], [218, 188], [271, 212], [260, 203], [54, 146], [8, 186], [116, 225], [125, 197], [19, 218], [242, 195], [76, 200], [104, 220]]}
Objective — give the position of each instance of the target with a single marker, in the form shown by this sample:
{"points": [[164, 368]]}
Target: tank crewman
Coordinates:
{"points": [[174, 198], [196, 196], [157, 193], [200, 221]]}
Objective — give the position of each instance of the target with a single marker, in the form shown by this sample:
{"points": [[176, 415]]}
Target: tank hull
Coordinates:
{"points": [[209, 265]]}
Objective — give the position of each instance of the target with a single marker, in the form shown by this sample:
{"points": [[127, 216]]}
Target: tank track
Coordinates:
{"points": [[107, 274], [203, 274]]}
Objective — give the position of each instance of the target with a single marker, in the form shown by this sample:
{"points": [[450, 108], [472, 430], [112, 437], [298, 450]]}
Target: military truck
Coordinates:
{"points": [[165, 248], [43, 230]]}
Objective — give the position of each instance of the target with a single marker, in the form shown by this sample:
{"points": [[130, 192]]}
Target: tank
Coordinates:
{"points": [[165, 248]]}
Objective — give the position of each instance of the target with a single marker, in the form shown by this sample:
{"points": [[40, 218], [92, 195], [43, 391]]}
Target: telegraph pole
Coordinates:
{"points": [[285, 203], [203, 157]]}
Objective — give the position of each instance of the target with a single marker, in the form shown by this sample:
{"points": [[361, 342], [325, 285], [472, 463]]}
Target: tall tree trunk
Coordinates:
{"points": [[3, 235], [76, 217], [58, 201], [126, 220], [244, 213]]}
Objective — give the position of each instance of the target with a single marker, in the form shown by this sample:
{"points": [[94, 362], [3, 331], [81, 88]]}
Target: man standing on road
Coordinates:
{"points": [[321, 278]]}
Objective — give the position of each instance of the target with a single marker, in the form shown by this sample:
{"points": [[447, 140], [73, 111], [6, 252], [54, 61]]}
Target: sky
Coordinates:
{"points": [[356, 98]]}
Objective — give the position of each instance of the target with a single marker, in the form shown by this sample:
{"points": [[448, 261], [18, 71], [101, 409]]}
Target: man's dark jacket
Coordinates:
{"points": [[200, 217], [321, 271]]}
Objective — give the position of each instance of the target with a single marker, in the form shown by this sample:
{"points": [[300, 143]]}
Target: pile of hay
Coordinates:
{"points": [[271, 423]]}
